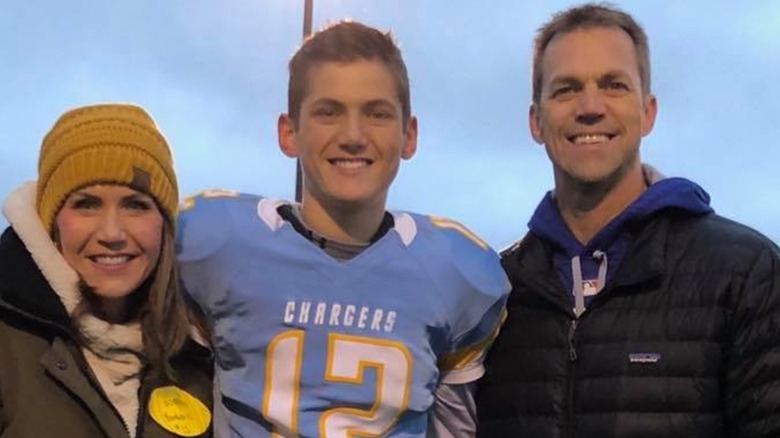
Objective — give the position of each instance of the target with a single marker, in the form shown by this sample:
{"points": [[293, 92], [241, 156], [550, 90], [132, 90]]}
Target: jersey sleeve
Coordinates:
{"points": [[454, 412], [476, 289], [204, 230]]}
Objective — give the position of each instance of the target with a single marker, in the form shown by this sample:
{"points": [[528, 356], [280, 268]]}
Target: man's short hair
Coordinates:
{"points": [[344, 42], [585, 16]]}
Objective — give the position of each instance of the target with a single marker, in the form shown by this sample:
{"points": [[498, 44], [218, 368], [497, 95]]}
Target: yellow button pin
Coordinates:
{"points": [[179, 412]]}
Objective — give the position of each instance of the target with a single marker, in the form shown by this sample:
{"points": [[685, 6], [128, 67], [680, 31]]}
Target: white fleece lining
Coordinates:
{"points": [[19, 209], [113, 351]]}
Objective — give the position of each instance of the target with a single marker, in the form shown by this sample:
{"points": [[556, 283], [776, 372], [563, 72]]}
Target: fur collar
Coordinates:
{"points": [[19, 209]]}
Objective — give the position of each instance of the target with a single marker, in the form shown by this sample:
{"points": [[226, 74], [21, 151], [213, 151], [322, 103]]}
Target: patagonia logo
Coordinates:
{"points": [[644, 357]]}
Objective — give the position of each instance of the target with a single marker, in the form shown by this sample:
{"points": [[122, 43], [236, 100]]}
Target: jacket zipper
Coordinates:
{"points": [[572, 348], [89, 374], [143, 404], [570, 379]]}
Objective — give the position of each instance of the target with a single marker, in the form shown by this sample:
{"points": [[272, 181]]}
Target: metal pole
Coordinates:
{"points": [[307, 12], [307, 15]]}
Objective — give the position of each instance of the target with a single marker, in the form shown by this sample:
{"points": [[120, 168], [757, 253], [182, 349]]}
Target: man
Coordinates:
{"points": [[636, 311], [336, 318]]}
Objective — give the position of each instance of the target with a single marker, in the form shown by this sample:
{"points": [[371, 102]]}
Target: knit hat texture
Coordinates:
{"points": [[105, 144]]}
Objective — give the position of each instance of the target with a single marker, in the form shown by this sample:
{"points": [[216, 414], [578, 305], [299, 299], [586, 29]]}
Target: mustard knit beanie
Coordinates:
{"points": [[105, 144]]}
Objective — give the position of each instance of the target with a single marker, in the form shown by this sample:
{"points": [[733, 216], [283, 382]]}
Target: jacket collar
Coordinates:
{"points": [[662, 194], [19, 209], [645, 258], [529, 262], [22, 286]]}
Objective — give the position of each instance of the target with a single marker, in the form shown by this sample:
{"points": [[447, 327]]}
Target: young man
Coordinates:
{"points": [[636, 311], [336, 318]]}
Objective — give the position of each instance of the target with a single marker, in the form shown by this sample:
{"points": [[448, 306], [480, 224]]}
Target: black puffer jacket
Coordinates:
{"points": [[683, 342]]}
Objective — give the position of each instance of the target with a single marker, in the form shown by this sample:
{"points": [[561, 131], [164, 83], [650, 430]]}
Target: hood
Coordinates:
{"points": [[37, 279], [585, 269], [662, 194]]}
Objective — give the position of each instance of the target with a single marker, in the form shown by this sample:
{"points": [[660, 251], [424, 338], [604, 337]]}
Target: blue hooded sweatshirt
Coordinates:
{"points": [[586, 269]]}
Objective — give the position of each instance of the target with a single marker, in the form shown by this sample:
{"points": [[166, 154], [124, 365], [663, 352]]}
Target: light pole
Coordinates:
{"points": [[307, 15], [307, 11]]}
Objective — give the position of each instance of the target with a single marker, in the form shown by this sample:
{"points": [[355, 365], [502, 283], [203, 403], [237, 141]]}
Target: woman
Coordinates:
{"points": [[95, 338]]}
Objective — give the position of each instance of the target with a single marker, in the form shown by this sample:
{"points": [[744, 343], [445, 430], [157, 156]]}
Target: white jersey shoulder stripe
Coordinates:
{"points": [[266, 211], [405, 227]]}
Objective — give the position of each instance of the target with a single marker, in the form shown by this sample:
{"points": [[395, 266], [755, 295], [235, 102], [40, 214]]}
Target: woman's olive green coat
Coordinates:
{"points": [[46, 386]]}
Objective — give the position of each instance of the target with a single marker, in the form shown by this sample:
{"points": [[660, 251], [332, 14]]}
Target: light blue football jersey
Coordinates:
{"points": [[310, 346]]}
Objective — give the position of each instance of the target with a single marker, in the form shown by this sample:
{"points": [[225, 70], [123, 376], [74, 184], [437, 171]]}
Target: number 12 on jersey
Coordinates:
{"points": [[347, 358]]}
